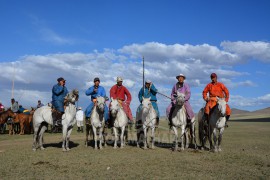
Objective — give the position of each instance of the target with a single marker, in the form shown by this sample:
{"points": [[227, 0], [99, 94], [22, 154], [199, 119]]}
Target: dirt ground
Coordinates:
{"points": [[245, 155]]}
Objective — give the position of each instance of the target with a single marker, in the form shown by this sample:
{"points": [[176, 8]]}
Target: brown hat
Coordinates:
{"points": [[213, 75], [61, 79]]}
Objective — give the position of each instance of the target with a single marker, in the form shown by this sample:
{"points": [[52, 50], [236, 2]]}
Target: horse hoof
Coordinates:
{"points": [[145, 148], [34, 149], [68, 149], [114, 147], [64, 150], [219, 150], [42, 148], [182, 149]]}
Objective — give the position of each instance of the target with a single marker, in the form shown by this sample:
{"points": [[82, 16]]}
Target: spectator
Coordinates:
{"points": [[39, 104], [79, 118]]}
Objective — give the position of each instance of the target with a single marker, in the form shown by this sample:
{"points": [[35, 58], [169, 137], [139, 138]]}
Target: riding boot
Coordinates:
{"points": [[226, 122], [59, 121], [206, 119], [55, 117], [87, 121], [157, 122]]}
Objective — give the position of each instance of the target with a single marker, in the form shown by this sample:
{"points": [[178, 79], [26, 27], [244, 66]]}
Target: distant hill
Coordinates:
{"points": [[262, 111], [239, 111], [240, 114]]}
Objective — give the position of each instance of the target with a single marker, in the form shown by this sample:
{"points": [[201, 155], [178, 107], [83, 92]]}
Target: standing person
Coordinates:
{"points": [[79, 119], [95, 91], [59, 92], [123, 96], [39, 104], [2, 107], [184, 88], [211, 91], [150, 91], [14, 106]]}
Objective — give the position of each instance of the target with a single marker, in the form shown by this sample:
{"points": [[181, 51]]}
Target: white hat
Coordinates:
{"points": [[181, 75], [119, 79], [79, 108], [148, 81]]}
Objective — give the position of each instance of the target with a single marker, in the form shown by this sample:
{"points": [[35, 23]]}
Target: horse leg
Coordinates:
{"points": [[175, 138], [187, 139], [215, 139], [35, 137], [122, 136], [87, 129], [100, 137], [22, 128], [69, 130], [42, 130], [210, 131], [115, 137], [193, 136], [95, 136], [64, 138], [153, 137], [182, 137], [220, 139], [145, 137]]}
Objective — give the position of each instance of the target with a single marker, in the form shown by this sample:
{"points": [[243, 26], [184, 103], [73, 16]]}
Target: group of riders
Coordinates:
{"points": [[118, 91]]}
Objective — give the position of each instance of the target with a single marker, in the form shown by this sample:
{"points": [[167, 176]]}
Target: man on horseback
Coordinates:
{"points": [[123, 96], [149, 91], [184, 88], [94, 92], [59, 92], [215, 89]]}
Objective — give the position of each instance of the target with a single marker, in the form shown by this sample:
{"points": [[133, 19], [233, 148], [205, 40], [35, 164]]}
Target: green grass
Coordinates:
{"points": [[245, 155]]}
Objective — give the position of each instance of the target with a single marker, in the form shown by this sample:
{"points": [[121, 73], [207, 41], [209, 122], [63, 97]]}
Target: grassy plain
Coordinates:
{"points": [[245, 155]]}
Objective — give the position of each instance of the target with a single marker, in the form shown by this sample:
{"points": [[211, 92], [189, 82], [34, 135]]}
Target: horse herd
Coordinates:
{"points": [[43, 116]]}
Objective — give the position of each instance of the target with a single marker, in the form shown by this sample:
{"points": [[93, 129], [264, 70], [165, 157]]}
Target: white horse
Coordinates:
{"points": [[179, 119], [217, 119], [148, 116], [43, 116], [98, 120], [120, 121]]}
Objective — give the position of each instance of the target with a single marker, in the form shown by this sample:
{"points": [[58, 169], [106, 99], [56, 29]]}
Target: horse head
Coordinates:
{"points": [[72, 97], [221, 106], [180, 99], [114, 107], [146, 104], [100, 104]]}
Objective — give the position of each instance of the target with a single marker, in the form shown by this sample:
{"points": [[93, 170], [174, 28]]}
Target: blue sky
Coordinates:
{"points": [[43, 40]]}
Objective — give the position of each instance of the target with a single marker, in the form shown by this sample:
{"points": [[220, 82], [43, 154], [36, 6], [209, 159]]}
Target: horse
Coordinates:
{"points": [[119, 119], [179, 119], [98, 121], [43, 116], [24, 121], [148, 116], [217, 119], [4, 117]]}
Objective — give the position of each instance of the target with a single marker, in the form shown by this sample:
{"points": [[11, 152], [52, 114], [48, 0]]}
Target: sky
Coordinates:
{"points": [[41, 41]]}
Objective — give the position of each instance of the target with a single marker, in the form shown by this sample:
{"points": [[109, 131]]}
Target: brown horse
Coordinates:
{"points": [[4, 116], [25, 121]]}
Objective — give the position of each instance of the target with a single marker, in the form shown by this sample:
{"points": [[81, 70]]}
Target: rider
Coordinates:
{"points": [[123, 96], [94, 92], [2, 107], [184, 88], [149, 91], [59, 92], [14, 106], [23, 110], [215, 89]]}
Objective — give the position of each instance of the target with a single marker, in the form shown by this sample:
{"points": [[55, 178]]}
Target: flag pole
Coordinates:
{"points": [[143, 77]]}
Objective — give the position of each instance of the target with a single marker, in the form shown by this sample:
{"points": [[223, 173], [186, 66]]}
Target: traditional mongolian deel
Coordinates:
{"points": [[58, 95]]}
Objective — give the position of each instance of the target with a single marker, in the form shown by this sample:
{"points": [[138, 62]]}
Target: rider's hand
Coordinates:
{"points": [[207, 99]]}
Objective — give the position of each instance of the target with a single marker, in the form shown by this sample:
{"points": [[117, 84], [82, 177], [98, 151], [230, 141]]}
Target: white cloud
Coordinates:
{"points": [[258, 50], [35, 75]]}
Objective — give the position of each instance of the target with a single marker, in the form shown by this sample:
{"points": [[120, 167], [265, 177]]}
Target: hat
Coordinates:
{"points": [[79, 108], [181, 75], [61, 79], [213, 75], [96, 79], [119, 79], [148, 81]]}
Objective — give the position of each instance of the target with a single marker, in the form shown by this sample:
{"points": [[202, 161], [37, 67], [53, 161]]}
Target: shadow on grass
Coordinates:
{"points": [[59, 145], [251, 120]]}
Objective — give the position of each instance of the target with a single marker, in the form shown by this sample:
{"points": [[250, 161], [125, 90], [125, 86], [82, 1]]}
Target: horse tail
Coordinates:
{"points": [[201, 126]]}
